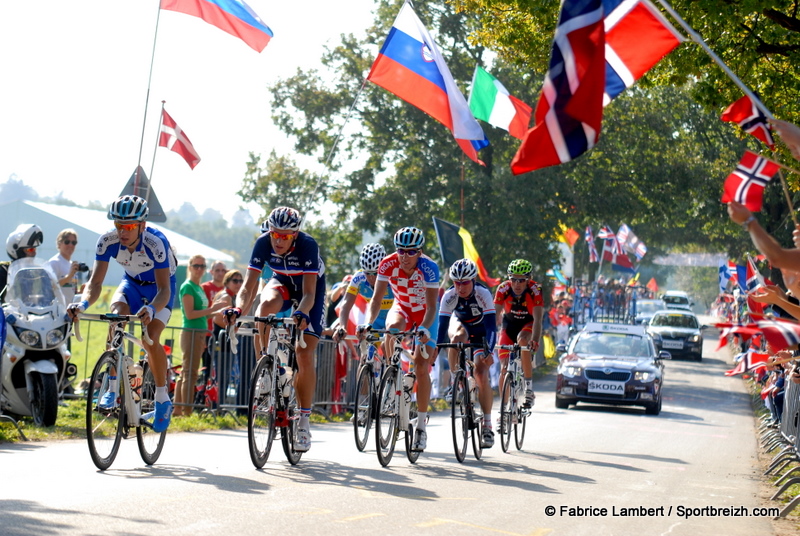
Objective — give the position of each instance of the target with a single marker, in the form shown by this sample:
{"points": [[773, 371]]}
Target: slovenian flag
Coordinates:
{"points": [[411, 66], [490, 101], [232, 16]]}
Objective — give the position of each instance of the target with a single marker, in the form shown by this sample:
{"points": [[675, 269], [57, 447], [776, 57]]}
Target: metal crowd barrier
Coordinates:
{"points": [[786, 438]]}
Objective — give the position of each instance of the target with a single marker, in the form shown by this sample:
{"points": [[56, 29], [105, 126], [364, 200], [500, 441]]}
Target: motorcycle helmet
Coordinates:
{"points": [[371, 257], [128, 208], [284, 219], [26, 235], [409, 237], [520, 267], [463, 270]]}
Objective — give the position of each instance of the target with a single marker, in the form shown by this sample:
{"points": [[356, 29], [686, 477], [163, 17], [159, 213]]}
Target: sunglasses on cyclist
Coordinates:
{"points": [[70, 242], [407, 252], [518, 279], [370, 273], [459, 283], [282, 236], [126, 226]]}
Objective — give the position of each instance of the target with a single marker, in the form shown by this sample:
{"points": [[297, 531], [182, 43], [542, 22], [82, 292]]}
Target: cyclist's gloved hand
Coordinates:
{"points": [[301, 319], [534, 345], [338, 334], [74, 309], [423, 334], [362, 330], [146, 313], [231, 314]]}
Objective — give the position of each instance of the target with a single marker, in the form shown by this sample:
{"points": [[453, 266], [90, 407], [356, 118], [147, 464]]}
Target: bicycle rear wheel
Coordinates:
{"points": [[519, 427], [506, 412], [476, 430], [387, 416], [459, 416], [104, 424], [289, 432], [150, 442], [261, 412], [362, 407]]}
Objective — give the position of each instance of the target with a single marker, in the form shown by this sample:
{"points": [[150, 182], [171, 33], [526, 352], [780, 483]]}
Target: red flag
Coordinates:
{"points": [[780, 334], [652, 285], [174, 139], [619, 259], [754, 281], [746, 184], [747, 115]]}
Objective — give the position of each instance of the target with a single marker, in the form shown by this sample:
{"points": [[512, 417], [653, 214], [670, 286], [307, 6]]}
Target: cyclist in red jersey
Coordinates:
{"points": [[520, 309]]}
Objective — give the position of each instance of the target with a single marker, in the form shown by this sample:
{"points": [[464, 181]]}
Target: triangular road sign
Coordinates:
{"points": [[137, 185]]}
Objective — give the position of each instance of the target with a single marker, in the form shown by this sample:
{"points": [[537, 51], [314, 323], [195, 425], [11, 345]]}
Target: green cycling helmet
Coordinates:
{"points": [[520, 267]]}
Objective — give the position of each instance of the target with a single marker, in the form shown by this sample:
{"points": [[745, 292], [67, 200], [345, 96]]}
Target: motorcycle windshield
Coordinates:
{"points": [[32, 284]]}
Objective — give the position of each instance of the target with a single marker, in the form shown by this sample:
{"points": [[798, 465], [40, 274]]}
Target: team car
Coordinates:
{"points": [[645, 309], [678, 332], [677, 299], [614, 364]]}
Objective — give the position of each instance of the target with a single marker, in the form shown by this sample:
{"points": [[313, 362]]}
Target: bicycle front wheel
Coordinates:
{"points": [[476, 430], [413, 416], [261, 413], [506, 412], [519, 426], [289, 432], [387, 415], [150, 442], [362, 406], [459, 416], [104, 423]]}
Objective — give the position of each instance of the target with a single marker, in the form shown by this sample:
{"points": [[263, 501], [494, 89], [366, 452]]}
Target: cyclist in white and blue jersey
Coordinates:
{"points": [[148, 287], [298, 283], [363, 283]]}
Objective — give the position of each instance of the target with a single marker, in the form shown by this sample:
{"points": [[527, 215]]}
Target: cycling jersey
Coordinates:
{"points": [[289, 269], [360, 286], [476, 313], [519, 308], [153, 251], [409, 290]]}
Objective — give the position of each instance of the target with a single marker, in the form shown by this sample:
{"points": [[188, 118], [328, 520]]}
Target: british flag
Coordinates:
{"points": [[750, 118], [746, 184], [589, 237]]}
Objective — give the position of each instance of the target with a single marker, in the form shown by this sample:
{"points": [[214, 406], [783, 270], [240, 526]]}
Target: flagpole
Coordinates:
{"points": [[336, 142], [155, 148], [147, 103]]}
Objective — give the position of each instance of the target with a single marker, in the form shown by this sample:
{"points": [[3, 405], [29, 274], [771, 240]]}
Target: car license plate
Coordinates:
{"points": [[675, 345], [606, 387]]}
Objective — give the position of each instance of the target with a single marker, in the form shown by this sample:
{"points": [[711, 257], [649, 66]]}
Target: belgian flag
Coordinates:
{"points": [[456, 243]]}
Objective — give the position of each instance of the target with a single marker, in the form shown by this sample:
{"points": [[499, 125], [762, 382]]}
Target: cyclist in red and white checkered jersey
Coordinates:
{"points": [[414, 279]]}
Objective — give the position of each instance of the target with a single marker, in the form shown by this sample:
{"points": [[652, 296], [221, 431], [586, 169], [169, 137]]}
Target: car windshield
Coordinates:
{"points": [[674, 321], [618, 345], [648, 307], [676, 300]]}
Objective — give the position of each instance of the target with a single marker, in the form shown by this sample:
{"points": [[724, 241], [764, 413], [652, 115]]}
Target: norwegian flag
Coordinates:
{"points": [[754, 280], [746, 184], [747, 115], [593, 257], [750, 360], [780, 334], [743, 331], [175, 139]]}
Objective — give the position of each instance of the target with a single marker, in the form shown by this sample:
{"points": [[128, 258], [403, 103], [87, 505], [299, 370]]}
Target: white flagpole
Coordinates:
{"points": [[146, 104], [155, 148]]}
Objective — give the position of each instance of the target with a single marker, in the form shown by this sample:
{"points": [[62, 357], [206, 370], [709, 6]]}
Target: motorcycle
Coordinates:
{"points": [[35, 360]]}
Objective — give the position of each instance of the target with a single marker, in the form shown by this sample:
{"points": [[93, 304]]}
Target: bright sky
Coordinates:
{"points": [[75, 81]]}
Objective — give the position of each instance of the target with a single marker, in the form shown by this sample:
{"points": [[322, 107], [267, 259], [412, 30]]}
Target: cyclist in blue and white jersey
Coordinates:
{"points": [[363, 284], [148, 287], [298, 283], [472, 305]]}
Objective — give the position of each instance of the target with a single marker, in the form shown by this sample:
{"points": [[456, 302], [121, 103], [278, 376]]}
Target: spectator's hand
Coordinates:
{"points": [[768, 294], [217, 306], [789, 133], [147, 314], [738, 212], [73, 268]]}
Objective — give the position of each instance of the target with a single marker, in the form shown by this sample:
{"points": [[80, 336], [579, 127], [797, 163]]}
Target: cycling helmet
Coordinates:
{"points": [[371, 256], [463, 269], [128, 208], [520, 267], [26, 235], [409, 237], [283, 218]]}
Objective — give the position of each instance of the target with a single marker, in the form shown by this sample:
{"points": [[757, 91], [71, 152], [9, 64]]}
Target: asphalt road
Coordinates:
{"points": [[589, 463]]}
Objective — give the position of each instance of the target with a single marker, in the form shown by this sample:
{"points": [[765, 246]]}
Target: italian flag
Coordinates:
{"points": [[489, 101]]}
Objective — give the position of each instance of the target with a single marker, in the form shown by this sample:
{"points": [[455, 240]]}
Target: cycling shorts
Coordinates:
{"points": [[136, 295], [509, 334], [315, 315]]}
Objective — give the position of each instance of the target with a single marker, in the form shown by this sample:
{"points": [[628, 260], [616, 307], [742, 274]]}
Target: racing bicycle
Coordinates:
{"points": [[466, 413], [513, 414], [134, 404], [368, 382]]}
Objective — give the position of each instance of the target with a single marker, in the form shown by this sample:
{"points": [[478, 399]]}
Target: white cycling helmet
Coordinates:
{"points": [[409, 237], [371, 257], [463, 270], [283, 218], [26, 235], [128, 208]]}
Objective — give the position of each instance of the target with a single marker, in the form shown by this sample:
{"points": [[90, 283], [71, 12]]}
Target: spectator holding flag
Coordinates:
{"points": [[778, 256], [790, 134]]}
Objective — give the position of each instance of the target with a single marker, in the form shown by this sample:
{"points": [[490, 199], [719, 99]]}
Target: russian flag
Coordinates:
{"points": [[411, 66], [232, 16]]}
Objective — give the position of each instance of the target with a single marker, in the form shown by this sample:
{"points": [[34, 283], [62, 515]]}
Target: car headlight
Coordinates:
{"points": [[54, 337], [29, 338], [694, 338], [644, 376], [572, 371]]}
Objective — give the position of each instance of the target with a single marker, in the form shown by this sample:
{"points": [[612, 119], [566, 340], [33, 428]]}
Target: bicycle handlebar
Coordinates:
{"points": [[110, 317], [270, 320]]}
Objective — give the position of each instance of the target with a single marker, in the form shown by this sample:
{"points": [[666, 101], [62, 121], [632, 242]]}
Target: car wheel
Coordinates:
{"points": [[653, 409], [698, 357], [561, 404]]}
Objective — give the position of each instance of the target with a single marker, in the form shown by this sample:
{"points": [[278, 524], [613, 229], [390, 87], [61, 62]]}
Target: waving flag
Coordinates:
{"points": [[174, 139], [605, 233], [746, 184], [456, 243], [618, 258], [567, 235], [410, 65], [629, 242], [754, 281], [232, 16], [593, 257], [780, 334], [750, 118], [490, 101], [724, 275], [750, 360]]}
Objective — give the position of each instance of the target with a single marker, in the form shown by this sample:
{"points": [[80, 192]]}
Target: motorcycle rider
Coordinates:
{"points": [[21, 243], [148, 287]]}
